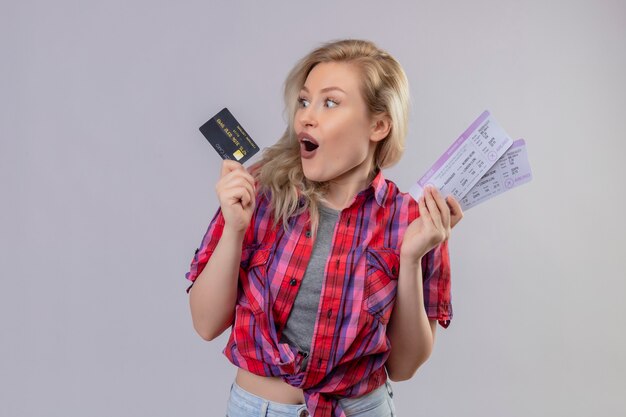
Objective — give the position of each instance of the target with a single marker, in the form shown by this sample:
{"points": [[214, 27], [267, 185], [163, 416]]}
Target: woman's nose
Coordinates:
{"points": [[306, 117]]}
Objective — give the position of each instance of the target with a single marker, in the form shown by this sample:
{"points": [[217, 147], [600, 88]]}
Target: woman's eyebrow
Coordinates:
{"points": [[324, 90]]}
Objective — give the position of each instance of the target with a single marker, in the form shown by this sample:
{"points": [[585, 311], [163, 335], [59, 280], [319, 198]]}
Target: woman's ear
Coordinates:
{"points": [[381, 126]]}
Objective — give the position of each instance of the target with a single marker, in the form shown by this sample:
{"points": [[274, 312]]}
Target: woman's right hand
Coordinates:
{"points": [[236, 193]]}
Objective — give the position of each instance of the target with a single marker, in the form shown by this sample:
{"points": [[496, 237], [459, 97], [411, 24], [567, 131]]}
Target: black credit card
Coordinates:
{"points": [[228, 137]]}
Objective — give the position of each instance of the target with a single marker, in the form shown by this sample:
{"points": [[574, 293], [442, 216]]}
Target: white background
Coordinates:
{"points": [[107, 188]]}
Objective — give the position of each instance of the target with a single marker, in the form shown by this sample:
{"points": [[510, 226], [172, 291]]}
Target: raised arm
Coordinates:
{"points": [[410, 331], [213, 296]]}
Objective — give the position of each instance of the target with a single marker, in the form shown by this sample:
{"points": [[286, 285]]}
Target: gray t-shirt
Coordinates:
{"points": [[298, 330]]}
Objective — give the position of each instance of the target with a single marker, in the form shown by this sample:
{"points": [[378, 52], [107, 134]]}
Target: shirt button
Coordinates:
{"points": [[197, 250], [304, 413], [308, 233], [293, 282], [329, 313]]}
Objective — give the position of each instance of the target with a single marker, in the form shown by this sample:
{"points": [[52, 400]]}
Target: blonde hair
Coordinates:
{"points": [[385, 89]]}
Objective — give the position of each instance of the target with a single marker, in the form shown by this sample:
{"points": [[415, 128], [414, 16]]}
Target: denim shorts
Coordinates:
{"points": [[378, 403]]}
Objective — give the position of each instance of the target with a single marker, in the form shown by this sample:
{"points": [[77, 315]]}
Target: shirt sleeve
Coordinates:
{"points": [[435, 274], [207, 246], [436, 281]]}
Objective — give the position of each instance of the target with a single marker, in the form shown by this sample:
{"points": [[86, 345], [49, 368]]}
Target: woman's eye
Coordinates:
{"points": [[303, 102], [331, 103]]}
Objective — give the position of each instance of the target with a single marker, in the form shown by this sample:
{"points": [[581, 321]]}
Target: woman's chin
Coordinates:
{"points": [[314, 176]]}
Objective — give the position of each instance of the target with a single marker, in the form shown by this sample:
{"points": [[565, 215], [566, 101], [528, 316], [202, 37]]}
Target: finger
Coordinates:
{"points": [[238, 170], [248, 182], [246, 197], [237, 195], [456, 211], [432, 208], [238, 177], [229, 165], [238, 184], [249, 178], [423, 210], [443, 208]]}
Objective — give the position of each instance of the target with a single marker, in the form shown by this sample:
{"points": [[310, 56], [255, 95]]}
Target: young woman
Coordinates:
{"points": [[331, 278]]}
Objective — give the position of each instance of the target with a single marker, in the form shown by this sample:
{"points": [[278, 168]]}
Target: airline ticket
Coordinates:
{"points": [[470, 157], [511, 170]]}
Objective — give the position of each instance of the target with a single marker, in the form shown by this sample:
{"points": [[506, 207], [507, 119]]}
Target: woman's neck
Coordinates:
{"points": [[342, 190], [341, 193]]}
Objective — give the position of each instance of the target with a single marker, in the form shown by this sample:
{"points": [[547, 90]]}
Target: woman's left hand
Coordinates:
{"points": [[432, 227]]}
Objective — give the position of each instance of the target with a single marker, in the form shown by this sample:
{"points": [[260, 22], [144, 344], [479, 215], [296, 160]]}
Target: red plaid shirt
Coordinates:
{"points": [[350, 345]]}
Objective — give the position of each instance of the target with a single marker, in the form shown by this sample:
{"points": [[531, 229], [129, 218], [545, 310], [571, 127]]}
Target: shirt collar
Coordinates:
{"points": [[381, 188], [378, 186]]}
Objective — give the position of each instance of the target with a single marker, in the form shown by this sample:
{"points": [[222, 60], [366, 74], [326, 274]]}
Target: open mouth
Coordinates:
{"points": [[309, 146], [308, 143]]}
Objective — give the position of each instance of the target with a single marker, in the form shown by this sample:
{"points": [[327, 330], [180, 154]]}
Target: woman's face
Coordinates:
{"points": [[332, 122]]}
